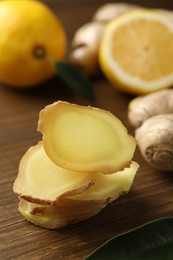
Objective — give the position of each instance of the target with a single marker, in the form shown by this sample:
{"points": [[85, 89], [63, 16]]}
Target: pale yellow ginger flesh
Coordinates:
{"points": [[41, 181], [85, 139]]}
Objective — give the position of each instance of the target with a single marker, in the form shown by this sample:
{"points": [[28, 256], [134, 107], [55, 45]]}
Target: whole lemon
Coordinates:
{"points": [[29, 33]]}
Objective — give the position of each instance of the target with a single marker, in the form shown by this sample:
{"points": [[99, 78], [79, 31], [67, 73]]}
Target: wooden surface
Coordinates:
{"points": [[151, 195]]}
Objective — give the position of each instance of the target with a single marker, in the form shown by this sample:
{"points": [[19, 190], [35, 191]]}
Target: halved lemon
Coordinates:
{"points": [[136, 51]]}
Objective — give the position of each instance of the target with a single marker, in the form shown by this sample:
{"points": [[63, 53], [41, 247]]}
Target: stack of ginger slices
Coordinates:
{"points": [[83, 162]]}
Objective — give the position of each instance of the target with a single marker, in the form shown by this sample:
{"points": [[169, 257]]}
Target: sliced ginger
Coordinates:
{"points": [[61, 215], [62, 179], [40, 180], [110, 185], [85, 139]]}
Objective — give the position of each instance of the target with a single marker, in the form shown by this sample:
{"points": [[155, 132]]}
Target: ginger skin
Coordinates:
{"points": [[85, 46], [155, 140], [152, 116], [144, 107]]}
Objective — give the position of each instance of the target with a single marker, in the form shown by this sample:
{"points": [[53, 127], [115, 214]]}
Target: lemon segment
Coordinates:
{"points": [[136, 52]]}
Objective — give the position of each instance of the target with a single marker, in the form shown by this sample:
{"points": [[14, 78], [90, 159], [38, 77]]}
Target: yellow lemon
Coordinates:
{"points": [[136, 52], [29, 33]]}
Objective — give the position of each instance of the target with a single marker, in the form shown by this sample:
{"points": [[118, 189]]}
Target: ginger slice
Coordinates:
{"points": [[39, 180], [53, 217], [110, 185], [85, 139], [81, 206]]}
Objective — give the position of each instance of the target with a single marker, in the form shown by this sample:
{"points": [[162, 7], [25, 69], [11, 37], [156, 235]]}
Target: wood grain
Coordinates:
{"points": [[151, 195]]}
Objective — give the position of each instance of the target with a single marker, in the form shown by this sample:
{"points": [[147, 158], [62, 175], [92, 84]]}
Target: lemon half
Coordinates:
{"points": [[136, 52]]}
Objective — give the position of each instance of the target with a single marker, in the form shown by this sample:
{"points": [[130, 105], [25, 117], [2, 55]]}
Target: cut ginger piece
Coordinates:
{"points": [[65, 213], [109, 185], [85, 139], [41, 181]]}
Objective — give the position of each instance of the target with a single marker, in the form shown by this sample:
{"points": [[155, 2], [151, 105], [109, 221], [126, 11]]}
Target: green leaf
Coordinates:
{"points": [[75, 80], [151, 241]]}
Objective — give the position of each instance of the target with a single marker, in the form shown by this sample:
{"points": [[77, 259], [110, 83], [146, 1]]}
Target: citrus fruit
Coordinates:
{"points": [[30, 32], [136, 51]]}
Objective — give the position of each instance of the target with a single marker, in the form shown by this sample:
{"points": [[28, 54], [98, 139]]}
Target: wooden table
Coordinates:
{"points": [[151, 195]]}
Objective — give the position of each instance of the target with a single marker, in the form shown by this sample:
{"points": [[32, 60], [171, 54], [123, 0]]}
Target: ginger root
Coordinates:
{"points": [[85, 47], [155, 139], [86, 41], [152, 116]]}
